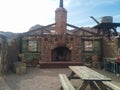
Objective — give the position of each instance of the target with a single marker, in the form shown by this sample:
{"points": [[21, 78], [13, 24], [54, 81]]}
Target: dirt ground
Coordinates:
{"points": [[43, 79]]}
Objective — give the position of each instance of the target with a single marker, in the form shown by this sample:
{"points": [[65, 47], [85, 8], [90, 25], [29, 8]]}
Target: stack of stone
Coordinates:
{"points": [[20, 68], [95, 62]]}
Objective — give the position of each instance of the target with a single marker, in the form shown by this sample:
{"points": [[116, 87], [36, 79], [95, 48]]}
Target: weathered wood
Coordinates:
{"points": [[89, 77], [101, 85], [111, 86], [71, 75], [93, 85], [81, 29], [84, 85], [86, 73], [41, 28], [66, 84]]}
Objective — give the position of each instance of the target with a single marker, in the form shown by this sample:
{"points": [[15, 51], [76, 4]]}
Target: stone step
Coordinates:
{"points": [[58, 64]]}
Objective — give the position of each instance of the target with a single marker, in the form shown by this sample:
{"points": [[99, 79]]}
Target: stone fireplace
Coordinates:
{"points": [[61, 54], [59, 48]]}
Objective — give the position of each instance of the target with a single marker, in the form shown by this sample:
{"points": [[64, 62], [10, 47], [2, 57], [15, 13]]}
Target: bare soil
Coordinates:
{"points": [[43, 79]]}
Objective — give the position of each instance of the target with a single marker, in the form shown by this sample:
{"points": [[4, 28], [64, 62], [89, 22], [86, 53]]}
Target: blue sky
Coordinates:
{"points": [[83, 9], [21, 15]]}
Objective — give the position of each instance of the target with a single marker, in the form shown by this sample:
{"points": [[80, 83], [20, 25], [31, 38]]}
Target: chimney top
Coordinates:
{"points": [[61, 3]]}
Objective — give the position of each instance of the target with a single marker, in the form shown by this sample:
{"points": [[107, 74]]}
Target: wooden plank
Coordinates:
{"points": [[101, 85], [86, 73], [84, 85], [93, 86], [66, 84], [111, 85]]}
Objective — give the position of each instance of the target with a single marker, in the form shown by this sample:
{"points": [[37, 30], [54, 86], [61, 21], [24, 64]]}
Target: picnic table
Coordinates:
{"points": [[89, 77]]}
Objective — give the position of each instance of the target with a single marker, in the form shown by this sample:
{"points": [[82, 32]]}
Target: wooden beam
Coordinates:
{"points": [[81, 29], [44, 27]]}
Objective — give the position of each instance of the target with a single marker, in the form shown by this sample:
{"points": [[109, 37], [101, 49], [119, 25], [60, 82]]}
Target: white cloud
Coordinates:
{"points": [[19, 15], [117, 16]]}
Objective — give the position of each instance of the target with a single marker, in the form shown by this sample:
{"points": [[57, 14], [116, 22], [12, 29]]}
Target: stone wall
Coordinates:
{"points": [[50, 42], [3, 54], [13, 51], [110, 48]]}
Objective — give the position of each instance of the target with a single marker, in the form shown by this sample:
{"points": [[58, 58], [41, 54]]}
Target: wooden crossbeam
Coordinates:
{"points": [[81, 29]]}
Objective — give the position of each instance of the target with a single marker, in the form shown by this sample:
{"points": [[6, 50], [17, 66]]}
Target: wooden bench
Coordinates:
{"points": [[66, 84], [111, 86]]}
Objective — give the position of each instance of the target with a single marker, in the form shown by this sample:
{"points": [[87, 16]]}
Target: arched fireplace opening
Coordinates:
{"points": [[61, 54]]}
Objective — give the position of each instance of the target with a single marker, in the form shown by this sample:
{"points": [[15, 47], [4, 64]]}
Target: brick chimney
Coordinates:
{"points": [[60, 19]]}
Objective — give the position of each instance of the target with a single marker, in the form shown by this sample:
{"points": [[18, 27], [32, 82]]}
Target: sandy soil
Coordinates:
{"points": [[42, 79]]}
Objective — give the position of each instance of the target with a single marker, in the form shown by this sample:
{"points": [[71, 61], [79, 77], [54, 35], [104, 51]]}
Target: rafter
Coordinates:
{"points": [[81, 29]]}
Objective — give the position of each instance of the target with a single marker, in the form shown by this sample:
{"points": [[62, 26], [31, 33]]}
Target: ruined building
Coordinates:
{"points": [[56, 44]]}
